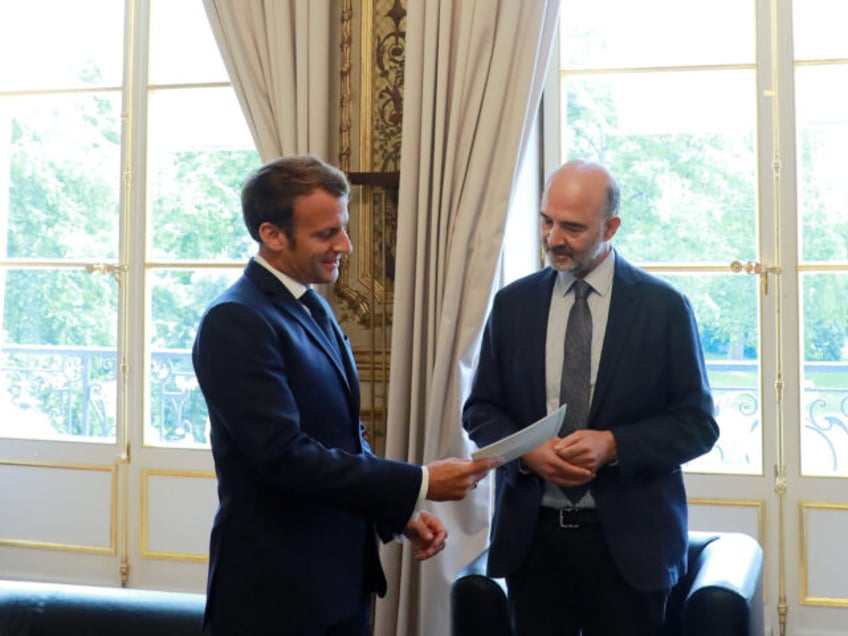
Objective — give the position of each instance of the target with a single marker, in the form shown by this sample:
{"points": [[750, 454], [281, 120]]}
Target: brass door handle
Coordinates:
{"points": [[750, 267]]}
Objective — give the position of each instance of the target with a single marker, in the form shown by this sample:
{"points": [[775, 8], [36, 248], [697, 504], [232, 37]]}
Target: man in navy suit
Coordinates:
{"points": [[293, 549], [590, 528]]}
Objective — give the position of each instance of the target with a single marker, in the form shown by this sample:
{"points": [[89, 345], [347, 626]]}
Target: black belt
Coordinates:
{"points": [[569, 518]]}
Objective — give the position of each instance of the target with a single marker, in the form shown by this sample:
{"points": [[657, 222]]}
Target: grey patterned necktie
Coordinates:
{"points": [[577, 360], [576, 365]]}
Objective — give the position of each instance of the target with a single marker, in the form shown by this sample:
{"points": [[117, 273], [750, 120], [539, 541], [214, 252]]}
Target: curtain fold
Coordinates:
{"points": [[473, 81], [277, 53]]}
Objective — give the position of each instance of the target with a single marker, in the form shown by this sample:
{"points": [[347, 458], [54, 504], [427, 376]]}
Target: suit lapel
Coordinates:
{"points": [[623, 310], [536, 312], [282, 299], [350, 367]]}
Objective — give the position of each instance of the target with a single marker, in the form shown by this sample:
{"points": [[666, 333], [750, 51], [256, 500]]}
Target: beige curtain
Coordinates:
{"points": [[277, 53], [474, 75]]}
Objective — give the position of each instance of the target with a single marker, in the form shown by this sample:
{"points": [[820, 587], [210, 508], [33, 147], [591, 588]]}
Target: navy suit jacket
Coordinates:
{"points": [[651, 392], [301, 495]]}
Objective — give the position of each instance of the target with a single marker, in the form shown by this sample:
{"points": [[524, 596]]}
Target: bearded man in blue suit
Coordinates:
{"points": [[293, 549], [590, 529]]}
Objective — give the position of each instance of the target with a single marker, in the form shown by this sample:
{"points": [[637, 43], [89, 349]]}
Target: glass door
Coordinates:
{"points": [[816, 243], [61, 348], [723, 123], [121, 159]]}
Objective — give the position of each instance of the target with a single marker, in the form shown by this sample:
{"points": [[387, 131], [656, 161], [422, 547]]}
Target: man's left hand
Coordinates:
{"points": [[589, 448], [427, 534]]}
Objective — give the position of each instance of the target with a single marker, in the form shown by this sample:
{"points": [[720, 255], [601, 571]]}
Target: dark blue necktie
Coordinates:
{"points": [[325, 321], [319, 314]]}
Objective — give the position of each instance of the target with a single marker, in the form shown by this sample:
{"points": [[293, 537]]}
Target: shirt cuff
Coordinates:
{"points": [[422, 492]]}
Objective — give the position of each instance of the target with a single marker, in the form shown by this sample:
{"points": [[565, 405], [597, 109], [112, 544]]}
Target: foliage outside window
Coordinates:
{"points": [[673, 111], [71, 234]]}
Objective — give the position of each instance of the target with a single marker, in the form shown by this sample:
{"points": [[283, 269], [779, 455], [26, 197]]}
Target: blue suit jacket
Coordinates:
{"points": [[293, 542], [651, 392]]}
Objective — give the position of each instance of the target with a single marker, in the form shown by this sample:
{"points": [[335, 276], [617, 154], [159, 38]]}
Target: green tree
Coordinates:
{"points": [[64, 194], [685, 198]]}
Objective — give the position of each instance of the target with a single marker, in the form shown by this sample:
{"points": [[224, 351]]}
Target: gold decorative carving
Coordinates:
{"points": [[346, 68], [389, 43], [365, 288], [366, 278]]}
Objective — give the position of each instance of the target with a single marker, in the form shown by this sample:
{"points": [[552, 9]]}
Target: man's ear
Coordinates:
{"points": [[273, 237], [611, 227]]}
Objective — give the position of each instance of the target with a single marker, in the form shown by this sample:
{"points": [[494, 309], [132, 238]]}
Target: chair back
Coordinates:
{"points": [[721, 592]]}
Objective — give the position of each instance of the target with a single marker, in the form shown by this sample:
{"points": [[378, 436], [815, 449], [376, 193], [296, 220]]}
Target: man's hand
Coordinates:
{"points": [[451, 479], [427, 535], [588, 448], [545, 462]]}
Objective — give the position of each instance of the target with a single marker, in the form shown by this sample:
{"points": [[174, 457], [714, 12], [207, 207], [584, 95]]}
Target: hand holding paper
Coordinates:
{"points": [[451, 479], [515, 445]]}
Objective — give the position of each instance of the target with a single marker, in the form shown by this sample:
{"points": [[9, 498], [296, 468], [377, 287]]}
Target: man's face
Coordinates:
{"points": [[320, 239], [574, 228]]}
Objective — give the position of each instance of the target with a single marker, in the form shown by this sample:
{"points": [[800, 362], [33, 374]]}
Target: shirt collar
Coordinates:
{"points": [[296, 288], [599, 278]]}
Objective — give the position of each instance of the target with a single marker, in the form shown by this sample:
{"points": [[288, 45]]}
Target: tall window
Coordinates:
{"points": [[726, 123], [672, 112], [199, 151], [820, 64], [122, 148], [691, 104]]}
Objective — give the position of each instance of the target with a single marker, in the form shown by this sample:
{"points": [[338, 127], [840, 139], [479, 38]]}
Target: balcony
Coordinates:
{"points": [[70, 394]]}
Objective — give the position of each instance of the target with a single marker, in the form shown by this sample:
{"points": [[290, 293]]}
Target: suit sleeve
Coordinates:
{"points": [[669, 412], [246, 377], [486, 414], [483, 414]]}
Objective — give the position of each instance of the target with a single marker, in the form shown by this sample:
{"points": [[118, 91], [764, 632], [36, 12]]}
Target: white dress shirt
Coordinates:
{"points": [[600, 279]]}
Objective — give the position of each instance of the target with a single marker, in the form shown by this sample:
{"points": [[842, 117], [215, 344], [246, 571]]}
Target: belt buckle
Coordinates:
{"points": [[562, 520]]}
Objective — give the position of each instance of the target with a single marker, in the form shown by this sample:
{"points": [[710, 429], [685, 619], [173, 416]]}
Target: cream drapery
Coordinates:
{"points": [[277, 53], [474, 72], [473, 81]]}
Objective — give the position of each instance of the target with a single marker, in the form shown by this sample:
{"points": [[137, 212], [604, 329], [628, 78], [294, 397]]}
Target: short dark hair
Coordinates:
{"points": [[268, 195], [613, 198]]}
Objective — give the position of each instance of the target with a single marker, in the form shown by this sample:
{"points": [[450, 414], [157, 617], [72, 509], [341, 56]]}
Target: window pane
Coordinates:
{"points": [[819, 29], [824, 377], [200, 152], [57, 355], [822, 116], [78, 43], [63, 154], [173, 25], [616, 34], [686, 161], [177, 412]]}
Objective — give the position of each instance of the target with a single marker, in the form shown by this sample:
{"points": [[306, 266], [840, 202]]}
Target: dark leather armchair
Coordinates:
{"points": [[55, 609], [720, 594]]}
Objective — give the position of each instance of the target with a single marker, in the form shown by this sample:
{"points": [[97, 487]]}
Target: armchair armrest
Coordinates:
{"points": [[726, 593], [478, 602], [720, 594]]}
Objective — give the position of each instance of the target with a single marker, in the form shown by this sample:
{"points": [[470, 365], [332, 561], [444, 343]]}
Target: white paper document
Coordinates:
{"points": [[515, 445]]}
